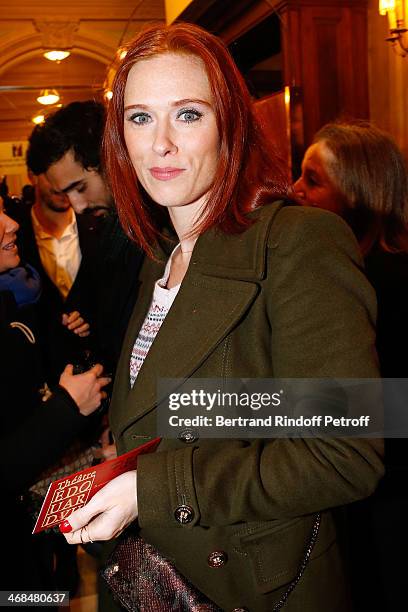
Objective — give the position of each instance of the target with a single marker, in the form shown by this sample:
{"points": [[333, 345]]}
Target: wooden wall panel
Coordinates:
{"points": [[324, 46], [272, 113], [325, 59]]}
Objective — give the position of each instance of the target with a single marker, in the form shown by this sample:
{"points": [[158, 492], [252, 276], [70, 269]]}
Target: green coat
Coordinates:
{"points": [[287, 298]]}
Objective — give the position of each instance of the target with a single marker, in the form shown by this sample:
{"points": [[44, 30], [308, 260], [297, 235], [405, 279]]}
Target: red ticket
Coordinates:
{"points": [[67, 494]]}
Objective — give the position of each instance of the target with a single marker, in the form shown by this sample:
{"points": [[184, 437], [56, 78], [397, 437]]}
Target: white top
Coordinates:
{"points": [[60, 257], [161, 303]]}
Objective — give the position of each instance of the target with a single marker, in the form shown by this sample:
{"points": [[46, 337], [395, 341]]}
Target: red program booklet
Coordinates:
{"points": [[67, 494]]}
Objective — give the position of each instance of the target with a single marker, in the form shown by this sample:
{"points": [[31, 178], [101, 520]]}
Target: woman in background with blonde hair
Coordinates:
{"points": [[357, 171]]}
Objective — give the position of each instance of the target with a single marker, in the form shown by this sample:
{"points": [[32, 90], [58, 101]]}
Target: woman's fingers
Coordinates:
{"points": [[107, 514], [105, 526], [80, 518]]}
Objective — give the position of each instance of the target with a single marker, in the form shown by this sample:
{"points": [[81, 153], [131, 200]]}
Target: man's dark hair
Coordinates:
{"points": [[77, 127]]}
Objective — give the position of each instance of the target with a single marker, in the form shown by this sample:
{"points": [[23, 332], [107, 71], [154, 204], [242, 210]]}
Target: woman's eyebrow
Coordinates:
{"points": [[190, 101], [173, 104]]}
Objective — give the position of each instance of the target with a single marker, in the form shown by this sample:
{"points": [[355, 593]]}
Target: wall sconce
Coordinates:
{"points": [[397, 11], [48, 96]]}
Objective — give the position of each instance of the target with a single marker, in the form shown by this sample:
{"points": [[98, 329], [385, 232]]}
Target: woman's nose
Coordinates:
{"points": [[298, 188], [163, 142]]}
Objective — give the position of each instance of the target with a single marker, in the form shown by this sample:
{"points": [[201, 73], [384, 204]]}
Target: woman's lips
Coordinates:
{"points": [[165, 174], [10, 246]]}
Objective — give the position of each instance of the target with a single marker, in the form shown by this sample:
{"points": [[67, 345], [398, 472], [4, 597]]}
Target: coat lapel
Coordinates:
{"points": [[213, 298], [190, 332]]}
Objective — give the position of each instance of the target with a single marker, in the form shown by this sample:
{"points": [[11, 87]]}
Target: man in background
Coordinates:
{"points": [[67, 149], [62, 248]]}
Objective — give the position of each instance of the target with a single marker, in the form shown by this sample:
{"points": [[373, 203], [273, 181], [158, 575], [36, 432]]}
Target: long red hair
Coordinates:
{"points": [[246, 175]]}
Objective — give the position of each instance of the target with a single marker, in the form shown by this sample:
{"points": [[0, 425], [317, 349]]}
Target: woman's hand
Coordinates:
{"points": [[76, 324], [107, 514], [85, 389]]}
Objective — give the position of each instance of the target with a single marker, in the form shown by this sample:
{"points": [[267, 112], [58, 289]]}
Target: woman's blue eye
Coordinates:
{"points": [[140, 118], [189, 115]]}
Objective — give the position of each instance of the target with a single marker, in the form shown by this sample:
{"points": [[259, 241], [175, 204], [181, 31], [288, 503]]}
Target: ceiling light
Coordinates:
{"points": [[48, 96], [37, 119], [56, 55], [109, 94]]}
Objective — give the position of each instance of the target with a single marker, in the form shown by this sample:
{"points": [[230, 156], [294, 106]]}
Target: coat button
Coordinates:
{"points": [[218, 558], [184, 514], [188, 436]]}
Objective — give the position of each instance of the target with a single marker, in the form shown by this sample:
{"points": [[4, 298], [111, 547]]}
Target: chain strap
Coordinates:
{"points": [[302, 567]]}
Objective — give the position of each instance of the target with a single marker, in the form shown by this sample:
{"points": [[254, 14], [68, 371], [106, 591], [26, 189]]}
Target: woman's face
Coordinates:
{"points": [[170, 129], [9, 257], [315, 187]]}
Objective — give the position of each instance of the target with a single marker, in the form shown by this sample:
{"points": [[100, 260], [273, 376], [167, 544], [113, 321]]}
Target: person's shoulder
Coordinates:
{"points": [[287, 211], [291, 214], [292, 222]]}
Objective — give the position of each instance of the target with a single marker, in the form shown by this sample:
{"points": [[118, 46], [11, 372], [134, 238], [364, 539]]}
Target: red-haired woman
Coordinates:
{"points": [[248, 288]]}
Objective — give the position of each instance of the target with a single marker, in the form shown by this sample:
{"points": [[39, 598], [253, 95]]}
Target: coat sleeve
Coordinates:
{"points": [[39, 441], [321, 311]]}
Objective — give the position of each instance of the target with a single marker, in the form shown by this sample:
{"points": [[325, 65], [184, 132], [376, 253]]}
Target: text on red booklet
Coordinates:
{"points": [[66, 495]]}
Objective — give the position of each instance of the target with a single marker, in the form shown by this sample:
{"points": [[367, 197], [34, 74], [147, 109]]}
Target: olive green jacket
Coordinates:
{"points": [[286, 298]]}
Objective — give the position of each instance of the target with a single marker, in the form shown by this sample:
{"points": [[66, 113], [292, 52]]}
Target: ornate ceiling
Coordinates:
{"points": [[93, 29]]}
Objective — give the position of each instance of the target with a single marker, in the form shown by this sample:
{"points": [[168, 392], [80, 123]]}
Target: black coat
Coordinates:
{"points": [[388, 274], [119, 263], [378, 531], [34, 434], [60, 346]]}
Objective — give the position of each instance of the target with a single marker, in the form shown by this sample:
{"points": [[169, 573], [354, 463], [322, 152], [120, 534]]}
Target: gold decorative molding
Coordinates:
{"points": [[57, 34]]}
